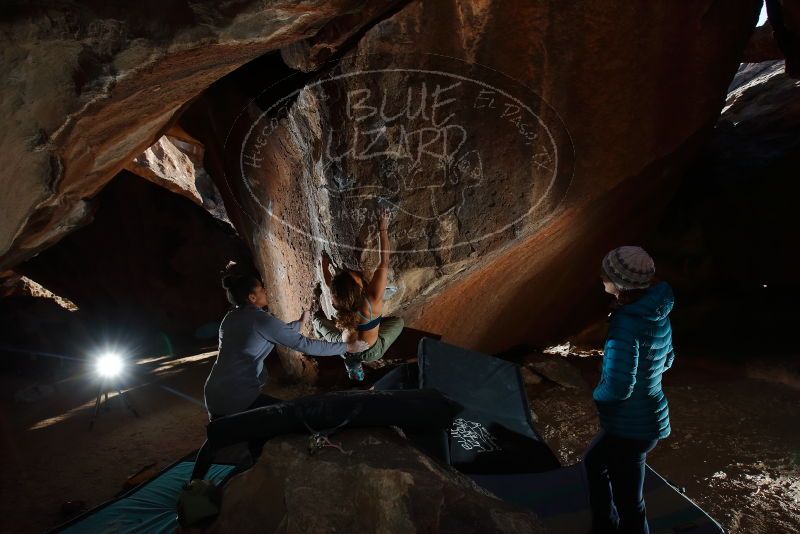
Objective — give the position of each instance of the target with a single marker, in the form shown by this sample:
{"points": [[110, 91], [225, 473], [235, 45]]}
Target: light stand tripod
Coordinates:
{"points": [[106, 385]]}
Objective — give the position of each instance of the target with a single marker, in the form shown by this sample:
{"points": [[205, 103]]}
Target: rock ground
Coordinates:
{"points": [[734, 445], [735, 442], [377, 482]]}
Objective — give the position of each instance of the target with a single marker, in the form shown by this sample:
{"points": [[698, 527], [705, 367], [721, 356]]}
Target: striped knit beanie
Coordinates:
{"points": [[629, 267]]}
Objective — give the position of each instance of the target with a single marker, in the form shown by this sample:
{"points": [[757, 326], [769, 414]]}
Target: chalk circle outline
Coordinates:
{"points": [[325, 79]]}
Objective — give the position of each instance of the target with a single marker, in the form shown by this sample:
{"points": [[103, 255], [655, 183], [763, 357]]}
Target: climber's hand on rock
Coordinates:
{"points": [[303, 317], [353, 343], [385, 215]]}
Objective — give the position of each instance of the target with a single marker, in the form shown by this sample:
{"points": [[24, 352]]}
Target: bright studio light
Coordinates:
{"points": [[109, 365]]}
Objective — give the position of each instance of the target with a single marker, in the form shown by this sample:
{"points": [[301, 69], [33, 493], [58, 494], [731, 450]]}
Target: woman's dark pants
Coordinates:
{"points": [[254, 446], [262, 400], [615, 471]]}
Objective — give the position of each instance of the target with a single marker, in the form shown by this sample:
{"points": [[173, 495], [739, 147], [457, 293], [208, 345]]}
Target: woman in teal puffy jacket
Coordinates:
{"points": [[630, 400]]}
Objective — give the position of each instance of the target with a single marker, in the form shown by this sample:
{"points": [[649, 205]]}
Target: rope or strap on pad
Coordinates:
{"points": [[320, 439]]}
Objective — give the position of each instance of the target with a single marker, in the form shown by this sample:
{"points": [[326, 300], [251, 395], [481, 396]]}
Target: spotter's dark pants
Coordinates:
{"points": [[261, 401], [254, 447], [615, 472]]}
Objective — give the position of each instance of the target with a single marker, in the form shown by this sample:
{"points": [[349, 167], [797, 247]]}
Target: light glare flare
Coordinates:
{"points": [[109, 365]]}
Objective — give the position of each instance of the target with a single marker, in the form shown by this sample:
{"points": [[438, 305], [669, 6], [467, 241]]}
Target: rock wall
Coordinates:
{"points": [[89, 86], [175, 162], [778, 38], [515, 142], [508, 180]]}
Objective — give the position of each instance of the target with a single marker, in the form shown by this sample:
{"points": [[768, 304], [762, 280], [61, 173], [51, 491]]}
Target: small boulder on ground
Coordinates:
{"points": [[529, 377], [376, 482], [560, 371]]}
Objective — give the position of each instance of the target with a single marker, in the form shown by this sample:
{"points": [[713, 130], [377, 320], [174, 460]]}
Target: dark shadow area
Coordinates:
{"points": [[144, 276], [727, 242]]}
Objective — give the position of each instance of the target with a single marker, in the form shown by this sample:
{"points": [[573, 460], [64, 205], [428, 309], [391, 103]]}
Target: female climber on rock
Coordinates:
{"points": [[246, 336], [359, 305], [629, 398]]}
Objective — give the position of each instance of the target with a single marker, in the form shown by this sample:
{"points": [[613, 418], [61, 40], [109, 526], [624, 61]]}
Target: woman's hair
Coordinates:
{"points": [[626, 296], [347, 297], [238, 283]]}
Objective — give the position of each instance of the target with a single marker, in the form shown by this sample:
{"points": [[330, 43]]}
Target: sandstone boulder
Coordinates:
{"points": [[166, 165], [558, 370], [379, 484], [88, 87], [516, 142], [492, 199], [176, 164]]}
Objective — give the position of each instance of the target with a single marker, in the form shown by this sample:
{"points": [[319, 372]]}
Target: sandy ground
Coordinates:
{"points": [[735, 445], [50, 456]]}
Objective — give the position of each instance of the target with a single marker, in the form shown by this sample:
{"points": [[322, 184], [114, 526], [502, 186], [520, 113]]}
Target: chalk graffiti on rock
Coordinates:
{"points": [[419, 142], [455, 158]]}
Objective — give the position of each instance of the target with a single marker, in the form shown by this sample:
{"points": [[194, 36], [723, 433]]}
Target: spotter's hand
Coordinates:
{"points": [[357, 346], [303, 317]]}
